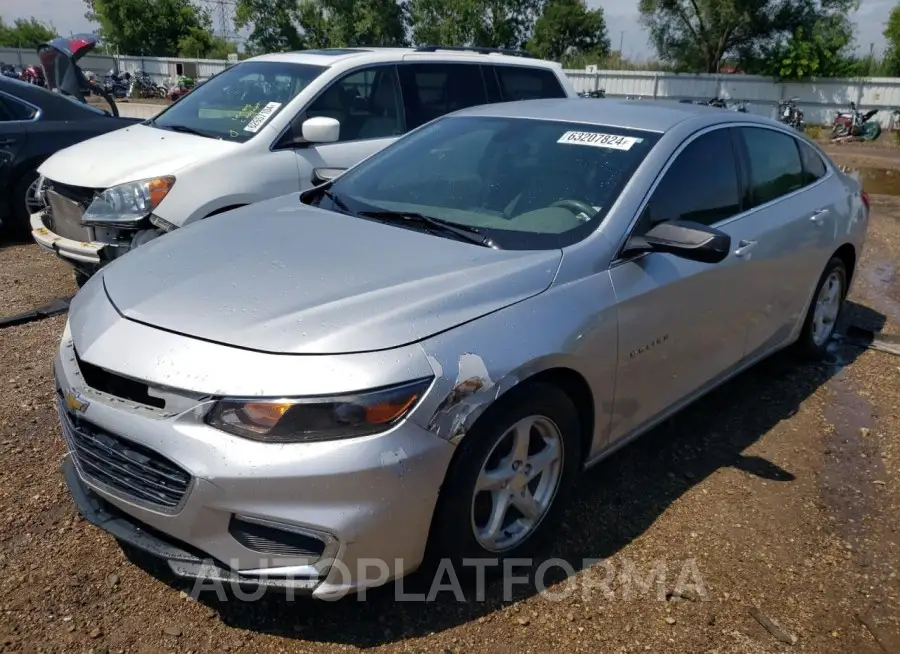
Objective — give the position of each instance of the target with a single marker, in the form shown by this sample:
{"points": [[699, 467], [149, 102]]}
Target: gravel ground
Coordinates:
{"points": [[777, 496]]}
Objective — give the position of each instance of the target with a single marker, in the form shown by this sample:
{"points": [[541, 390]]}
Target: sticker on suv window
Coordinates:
{"points": [[598, 140], [260, 119]]}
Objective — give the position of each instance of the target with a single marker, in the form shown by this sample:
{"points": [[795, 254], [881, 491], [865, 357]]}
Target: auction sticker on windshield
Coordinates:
{"points": [[598, 140], [260, 119]]}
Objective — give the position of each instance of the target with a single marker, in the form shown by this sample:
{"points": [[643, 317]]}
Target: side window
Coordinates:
{"points": [[521, 83], [775, 167], [11, 109], [366, 103], [701, 185], [814, 168], [432, 90]]}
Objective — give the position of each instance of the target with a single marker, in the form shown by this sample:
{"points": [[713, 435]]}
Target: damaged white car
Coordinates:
{"points": [[259, 130]]}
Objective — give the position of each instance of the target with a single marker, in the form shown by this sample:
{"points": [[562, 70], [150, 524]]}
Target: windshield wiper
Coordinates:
{"points": [[462, 232], [184, 129], [340, 204]]}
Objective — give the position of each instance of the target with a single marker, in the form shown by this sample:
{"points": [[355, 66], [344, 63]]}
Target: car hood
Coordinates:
{"points": [[130, 154], [282, 277]]}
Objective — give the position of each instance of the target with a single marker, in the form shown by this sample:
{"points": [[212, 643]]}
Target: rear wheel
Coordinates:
{"points": [[23, 203], [825, 311]]}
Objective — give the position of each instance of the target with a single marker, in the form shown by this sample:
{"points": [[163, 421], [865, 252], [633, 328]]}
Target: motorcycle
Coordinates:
{"points": [[856, 123], [182, 87], [8, 70], [790, 114], [599, 93], [33, 75], [143, 86]]}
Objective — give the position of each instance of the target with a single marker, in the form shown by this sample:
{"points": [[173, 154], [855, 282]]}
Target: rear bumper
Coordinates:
{"points": [[65, 248]]}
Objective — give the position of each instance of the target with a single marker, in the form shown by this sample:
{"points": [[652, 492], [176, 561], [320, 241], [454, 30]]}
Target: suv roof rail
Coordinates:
{"points": [[479, 50]]}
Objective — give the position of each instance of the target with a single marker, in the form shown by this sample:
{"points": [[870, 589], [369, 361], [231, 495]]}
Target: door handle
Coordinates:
{"points": [[818, 217], [744, 248]]}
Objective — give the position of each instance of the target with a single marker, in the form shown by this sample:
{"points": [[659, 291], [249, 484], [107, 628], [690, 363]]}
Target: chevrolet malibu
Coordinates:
{"points": [[415, 360]]}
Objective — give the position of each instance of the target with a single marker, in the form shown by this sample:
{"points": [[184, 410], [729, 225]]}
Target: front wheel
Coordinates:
{"points": [[824, 312], [510, 480]]}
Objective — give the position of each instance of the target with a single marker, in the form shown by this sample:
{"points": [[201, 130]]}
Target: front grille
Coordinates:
{"points": [[79, 194], [123, 467], [270, 540], [65, 216], [117, 385]]}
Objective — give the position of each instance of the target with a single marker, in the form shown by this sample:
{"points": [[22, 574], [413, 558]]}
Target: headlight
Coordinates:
{"points": [[129, 203], [304, 420]]}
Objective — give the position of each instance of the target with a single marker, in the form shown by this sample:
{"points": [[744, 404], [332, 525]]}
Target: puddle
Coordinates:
{"points": [[879, 181], [852, 460]]}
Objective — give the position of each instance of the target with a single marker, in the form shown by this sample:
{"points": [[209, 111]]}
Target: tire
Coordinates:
{"points": [[811, 345], [457, 515], [18, 226]]}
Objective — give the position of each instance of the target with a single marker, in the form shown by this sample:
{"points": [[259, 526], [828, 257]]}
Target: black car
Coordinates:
{"points": [[35, 123]]}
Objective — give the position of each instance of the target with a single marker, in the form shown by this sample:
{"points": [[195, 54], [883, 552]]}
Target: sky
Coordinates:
{"points": [[621, 21]]}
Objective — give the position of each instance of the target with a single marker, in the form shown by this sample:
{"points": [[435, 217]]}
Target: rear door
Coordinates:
{"points": [[792, 207], [431, 90], [683, 324], [14, 115]]}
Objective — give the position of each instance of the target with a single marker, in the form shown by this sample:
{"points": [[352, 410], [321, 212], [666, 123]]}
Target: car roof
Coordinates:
{"points": [[361, 56], [648, 115]]}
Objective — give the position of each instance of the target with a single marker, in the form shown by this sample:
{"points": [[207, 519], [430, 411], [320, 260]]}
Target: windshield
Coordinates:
{"points": [[525, 184], [237, 103]]}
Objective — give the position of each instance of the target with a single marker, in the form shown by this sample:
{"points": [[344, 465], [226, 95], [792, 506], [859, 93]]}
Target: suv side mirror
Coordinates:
{"points": [[325, 175], [685, 239], [320, 129]]}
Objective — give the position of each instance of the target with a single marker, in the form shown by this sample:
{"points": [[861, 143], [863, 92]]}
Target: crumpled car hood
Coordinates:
{"points": [[282, 277]]}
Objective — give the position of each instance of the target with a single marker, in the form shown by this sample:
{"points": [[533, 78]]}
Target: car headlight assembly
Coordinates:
{"points": [[312, 419], [127, 204]]}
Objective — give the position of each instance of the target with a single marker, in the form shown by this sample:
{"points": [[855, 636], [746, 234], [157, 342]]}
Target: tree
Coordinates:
{"points": [[25, 33], [567, 29], [147, 27], [698, 34], [484, 23], [273, 24], [892, 35], [203, 44], [821, 50]]}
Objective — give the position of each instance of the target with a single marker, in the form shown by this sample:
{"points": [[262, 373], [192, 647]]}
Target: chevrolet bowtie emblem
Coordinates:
{"points": [[75, 403]]}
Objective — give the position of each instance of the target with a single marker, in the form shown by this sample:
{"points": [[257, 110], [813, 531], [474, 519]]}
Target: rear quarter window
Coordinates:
{"points": [[522, 83]]}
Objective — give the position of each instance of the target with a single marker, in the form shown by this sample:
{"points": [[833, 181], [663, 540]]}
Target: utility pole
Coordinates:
{"points": [[621, 41]]}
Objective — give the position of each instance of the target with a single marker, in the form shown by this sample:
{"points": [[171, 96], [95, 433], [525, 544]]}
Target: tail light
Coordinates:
{"points": [[865, 198]]}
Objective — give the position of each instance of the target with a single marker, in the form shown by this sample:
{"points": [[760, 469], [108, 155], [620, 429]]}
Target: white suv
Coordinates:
{"points": [[258, 130]]}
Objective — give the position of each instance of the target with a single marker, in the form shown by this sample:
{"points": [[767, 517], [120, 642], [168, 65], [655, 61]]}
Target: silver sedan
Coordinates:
{"points": [[415, 360]]}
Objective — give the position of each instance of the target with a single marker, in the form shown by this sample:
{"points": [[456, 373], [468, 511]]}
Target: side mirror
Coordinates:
{"points": [[320, 129], [325, 175], [685, 239]]}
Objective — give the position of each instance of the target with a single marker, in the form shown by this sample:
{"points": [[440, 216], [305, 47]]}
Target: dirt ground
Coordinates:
{"points": [[778, 496]]}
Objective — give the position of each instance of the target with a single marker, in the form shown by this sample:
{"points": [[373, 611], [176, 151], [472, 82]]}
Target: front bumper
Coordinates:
{"points": [[369, 500], [66, 248]]}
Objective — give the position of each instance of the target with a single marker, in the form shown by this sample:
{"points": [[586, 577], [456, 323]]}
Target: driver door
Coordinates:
{"points": [[682, 323], [368, 105]]}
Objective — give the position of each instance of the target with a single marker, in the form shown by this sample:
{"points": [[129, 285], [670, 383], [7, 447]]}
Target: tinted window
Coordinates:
{"points": [[520, 83], [11, 109], [240, 101], [701, 185], [813, 167], [527, 184], [432, 90], [775, 167], [366, 103]]}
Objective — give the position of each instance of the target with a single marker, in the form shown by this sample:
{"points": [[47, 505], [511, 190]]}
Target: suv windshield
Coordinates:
{"points": [[237, 103], [521, 183]]}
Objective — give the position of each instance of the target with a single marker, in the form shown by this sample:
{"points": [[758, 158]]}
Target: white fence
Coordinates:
{"points": [[820, 100]]}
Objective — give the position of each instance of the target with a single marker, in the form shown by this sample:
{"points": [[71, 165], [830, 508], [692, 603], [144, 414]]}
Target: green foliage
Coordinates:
{"points": [[818, 52], [567, 30], [892, 35], [696, 35], [485, 23], [25, 33], [201, 43], [147, 27]]}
